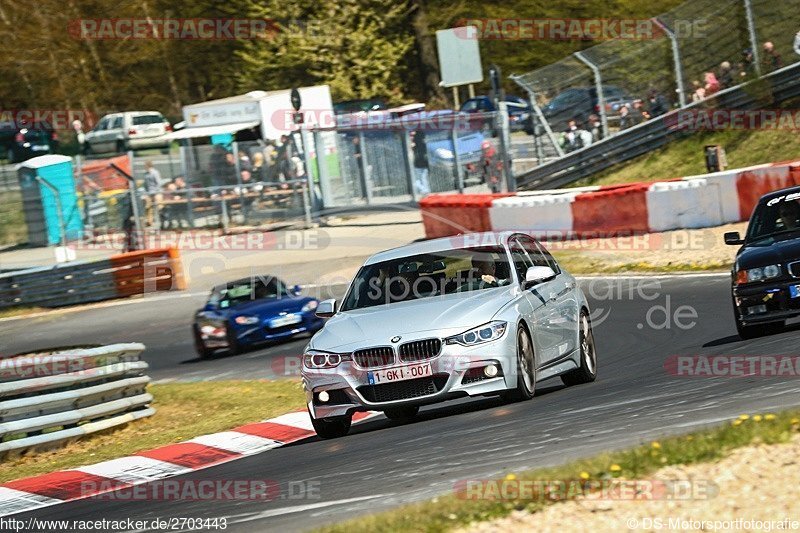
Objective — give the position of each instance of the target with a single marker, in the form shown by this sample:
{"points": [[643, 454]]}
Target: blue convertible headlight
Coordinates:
{"points": [[485, 333], [310, 306]]}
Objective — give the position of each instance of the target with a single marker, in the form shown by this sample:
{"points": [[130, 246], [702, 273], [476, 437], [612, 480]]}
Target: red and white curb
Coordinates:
{"points": [[172, 460]]}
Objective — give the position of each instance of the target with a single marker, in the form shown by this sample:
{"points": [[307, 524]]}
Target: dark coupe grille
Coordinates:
{"points": [[403, 390], [374, 357], [420, 350], [794, 269]]}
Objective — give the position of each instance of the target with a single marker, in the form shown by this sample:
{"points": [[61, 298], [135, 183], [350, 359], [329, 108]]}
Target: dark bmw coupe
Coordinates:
{"points": [[766, 272]]}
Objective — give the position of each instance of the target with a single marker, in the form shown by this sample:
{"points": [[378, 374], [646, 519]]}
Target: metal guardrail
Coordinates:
{"points": [[49, 397], [92, 281], [783, 85]]}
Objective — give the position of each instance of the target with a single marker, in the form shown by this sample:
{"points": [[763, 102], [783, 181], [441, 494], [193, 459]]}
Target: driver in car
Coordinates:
{"points": [[789, 213]]}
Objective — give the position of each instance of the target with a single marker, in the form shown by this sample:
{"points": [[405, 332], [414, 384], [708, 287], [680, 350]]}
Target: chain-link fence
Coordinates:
{"points": [[692, 52]]}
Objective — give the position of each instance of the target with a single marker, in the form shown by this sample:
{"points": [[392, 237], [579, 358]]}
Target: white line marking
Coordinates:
{"points": [[299, 508]]}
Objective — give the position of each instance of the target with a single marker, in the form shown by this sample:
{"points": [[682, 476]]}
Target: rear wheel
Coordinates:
{"points": [[526, 369], [121, 147], [199, 346], [587, 371], [402, 414], [332, 428]]}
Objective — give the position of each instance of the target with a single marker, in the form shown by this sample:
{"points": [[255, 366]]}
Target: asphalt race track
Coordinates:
{"points": [[381, 465]]}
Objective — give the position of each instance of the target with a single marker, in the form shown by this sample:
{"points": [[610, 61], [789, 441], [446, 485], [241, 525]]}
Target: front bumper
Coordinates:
{"points": [[455, 373], [767, 302], [259, 333], [147, 142]]}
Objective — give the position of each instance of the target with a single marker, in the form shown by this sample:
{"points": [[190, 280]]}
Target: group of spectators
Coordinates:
{"points": [[728, 74], [164, 199], [266, 162]]}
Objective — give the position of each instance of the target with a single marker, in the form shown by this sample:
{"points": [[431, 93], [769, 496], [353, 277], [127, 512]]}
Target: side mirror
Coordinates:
{"points": [[326, 308], [733, 237], [297, 290], [538, 274]]}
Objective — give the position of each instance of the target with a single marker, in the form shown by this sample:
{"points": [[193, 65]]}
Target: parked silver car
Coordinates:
{"points": [[131, 130], [472, 315]]}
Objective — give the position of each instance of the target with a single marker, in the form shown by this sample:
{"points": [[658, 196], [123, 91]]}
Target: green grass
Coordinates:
{"points": [[577, 262], [12, 220], [451, 511], [685, 157], [183, 411]]}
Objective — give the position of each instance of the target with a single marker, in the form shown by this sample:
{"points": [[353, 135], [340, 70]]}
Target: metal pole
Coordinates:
{"points": [[505, 142], [751, 28], [62, 230], [676, 56], [238, 167], [598, 82], [540, 115], [457, 160], [455, 97], [364, 178], [409, 159], [322, 167], [134, 199], [309, 174]]}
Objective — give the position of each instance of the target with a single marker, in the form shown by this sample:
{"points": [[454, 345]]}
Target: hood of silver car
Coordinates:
{"points": [[444, 315]]}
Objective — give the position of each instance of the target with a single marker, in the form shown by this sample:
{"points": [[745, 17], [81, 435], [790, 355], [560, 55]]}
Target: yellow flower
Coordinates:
{"points": [[794, 421], [757, 418], [769, 416], [615, 468], [744, 417], [737, 422], [585, 475], [656, 445], [510, 477]]}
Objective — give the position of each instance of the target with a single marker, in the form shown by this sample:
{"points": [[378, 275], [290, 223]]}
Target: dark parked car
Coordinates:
{"points": [[24, 143], [580, 102], [359, 106], [251, 311], [766, 272], [519, 111]]}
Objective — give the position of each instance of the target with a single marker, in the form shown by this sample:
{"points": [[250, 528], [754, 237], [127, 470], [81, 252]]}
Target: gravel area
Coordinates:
{"points": [[755, 483]]}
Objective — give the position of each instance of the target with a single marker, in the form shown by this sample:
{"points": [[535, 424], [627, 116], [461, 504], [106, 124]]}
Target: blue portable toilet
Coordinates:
{"points": [[39, 201]]}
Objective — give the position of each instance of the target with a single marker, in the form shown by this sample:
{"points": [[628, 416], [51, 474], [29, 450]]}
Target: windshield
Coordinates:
{"points": [[779, 215], [426, 275], [247, 291]]}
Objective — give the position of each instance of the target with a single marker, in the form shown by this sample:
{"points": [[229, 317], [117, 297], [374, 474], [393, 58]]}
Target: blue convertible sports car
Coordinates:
{"points": [[250, 311]]}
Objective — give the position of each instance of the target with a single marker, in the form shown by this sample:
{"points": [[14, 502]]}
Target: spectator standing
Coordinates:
{"points": [[746, 65], [657, 105], [259, 169], [699, 92], [571, 139], [712, 85], [596, 127], [152, 186], [420, 149], [725, 77], [772, 59]]}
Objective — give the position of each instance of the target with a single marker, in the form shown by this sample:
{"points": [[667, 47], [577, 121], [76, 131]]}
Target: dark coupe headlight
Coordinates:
{"points": [[758, 274]]}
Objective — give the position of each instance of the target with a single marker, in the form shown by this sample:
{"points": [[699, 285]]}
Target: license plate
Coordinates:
{"points": [[285, 320], [40, 148], [400, 373], [794, 291]]}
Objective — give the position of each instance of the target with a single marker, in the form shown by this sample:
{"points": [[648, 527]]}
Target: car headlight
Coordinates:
{"points": [[443, 153], [245, 320], [316, 360], [485, 333], [758, 274], [310, 306]]}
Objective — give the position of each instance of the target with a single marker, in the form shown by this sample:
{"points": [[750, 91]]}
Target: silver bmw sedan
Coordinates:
{"points": [[472, 315]]}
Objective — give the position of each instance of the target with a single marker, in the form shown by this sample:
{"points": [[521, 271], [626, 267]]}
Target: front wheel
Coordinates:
{"points": [[233, 342], [203, 352], [526, 369], [587, 371], [332, 428]]}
